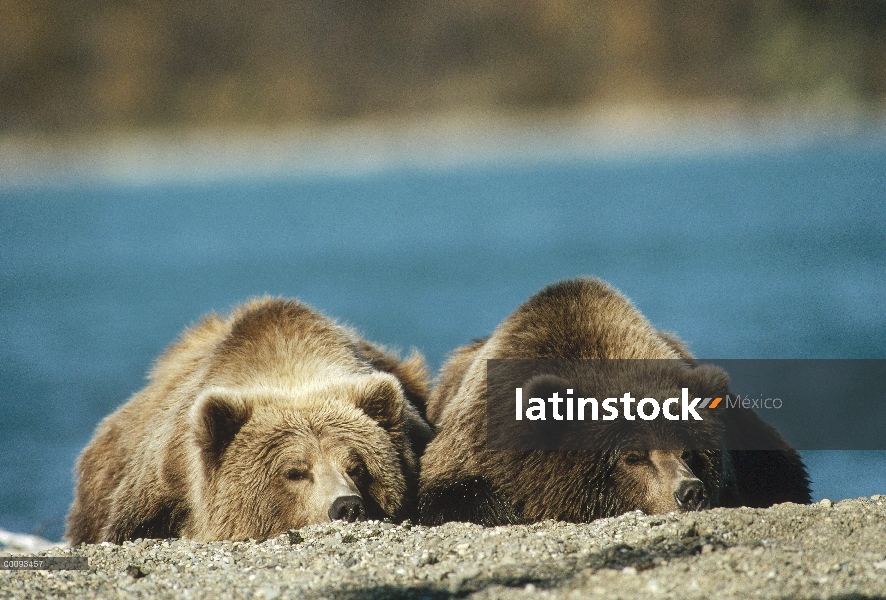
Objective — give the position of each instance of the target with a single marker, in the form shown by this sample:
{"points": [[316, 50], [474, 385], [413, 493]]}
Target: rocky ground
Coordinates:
{"points": [[788, 551]]}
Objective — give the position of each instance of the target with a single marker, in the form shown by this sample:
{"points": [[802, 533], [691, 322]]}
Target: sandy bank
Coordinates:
{"points": [[786, 551]]}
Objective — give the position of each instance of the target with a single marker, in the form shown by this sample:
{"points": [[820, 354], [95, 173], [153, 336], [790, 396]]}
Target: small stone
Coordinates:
{"points": [[688, 530], [825, 503], [454, 583], [629, 571], [469, 573], [135, 572]]}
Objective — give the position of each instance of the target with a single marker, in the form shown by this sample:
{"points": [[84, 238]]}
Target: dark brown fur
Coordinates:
{"points": [[248, 426], [585, 319]]}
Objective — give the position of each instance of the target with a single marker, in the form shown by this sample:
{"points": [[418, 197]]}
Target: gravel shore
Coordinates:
{"points": [[819, 551]]}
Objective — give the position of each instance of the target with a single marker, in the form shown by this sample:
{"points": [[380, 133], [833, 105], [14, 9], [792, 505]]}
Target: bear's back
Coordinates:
{"points": [[579, 319], [283, 344], [573, 319]]}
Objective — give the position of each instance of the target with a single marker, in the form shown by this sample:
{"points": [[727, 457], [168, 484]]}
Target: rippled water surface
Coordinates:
{"points": [[751, 254]]}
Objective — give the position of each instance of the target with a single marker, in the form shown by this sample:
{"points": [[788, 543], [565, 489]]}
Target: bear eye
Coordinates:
{"points": [[296, 474], [633, 458], [357, 473]]}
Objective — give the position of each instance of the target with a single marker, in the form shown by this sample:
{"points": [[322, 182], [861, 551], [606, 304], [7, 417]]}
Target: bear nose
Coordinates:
{"points": [[690, 494], [347, 508]]}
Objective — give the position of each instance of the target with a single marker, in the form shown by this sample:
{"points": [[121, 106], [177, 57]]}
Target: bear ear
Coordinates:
{"points": [[544, 386], [709, 378], [218, 417], [382, 401]]}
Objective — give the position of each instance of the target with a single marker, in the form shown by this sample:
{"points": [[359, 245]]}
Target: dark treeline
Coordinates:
{"points": [[86, 65]]}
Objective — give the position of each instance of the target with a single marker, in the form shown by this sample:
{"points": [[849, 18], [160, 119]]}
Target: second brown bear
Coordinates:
{"points": [[462, 479]]}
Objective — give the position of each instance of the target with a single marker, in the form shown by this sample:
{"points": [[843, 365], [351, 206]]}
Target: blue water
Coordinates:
{"points": [[754, 254]]}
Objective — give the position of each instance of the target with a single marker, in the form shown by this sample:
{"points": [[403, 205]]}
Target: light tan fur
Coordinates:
{"points": [[212, 447]]}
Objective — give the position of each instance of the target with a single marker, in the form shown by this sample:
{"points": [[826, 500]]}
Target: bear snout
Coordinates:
{"points": [[690, 495], [347, 508]]}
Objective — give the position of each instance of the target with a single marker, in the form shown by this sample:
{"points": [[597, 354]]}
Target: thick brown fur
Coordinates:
{"points": [[463, 480], [242, 419]]}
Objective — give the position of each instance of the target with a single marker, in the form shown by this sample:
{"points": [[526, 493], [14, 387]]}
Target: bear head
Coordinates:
{"points": [[271, 460], [594, 469]]}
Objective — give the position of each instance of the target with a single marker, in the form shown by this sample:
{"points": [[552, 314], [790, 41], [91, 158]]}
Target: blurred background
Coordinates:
{"points": [[419, 169], [87, 65]]}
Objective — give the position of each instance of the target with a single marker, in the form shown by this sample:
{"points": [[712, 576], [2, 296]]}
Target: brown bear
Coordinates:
{"points": [[651, 467], [272, 418]]}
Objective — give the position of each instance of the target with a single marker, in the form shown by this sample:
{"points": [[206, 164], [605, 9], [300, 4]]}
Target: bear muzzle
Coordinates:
{"points": [[347, 508], [690, 495]]}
